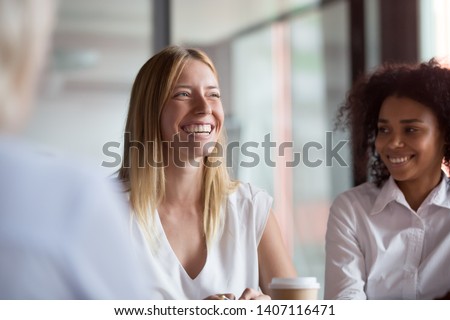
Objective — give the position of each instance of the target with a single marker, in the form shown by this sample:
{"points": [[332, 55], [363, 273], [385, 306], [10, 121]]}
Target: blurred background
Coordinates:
{"points": [[284, 67]]}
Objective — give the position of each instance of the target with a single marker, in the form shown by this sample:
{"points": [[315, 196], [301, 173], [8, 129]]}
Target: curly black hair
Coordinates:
{"points": [[427, 83]]}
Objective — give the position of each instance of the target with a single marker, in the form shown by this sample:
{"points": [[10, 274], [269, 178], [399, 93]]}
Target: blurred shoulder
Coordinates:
{"points": [[31, 163], [56, 184]]}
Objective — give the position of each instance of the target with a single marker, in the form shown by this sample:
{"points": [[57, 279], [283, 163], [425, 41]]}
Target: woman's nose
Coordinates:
{"points": [[396, 141], [202, 106]]}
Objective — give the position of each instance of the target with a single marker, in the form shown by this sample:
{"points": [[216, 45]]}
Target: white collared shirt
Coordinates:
{"points": [[377, 247]]}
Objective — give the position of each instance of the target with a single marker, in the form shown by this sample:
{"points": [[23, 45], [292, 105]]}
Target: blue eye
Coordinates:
{"points": [[181, 94]]}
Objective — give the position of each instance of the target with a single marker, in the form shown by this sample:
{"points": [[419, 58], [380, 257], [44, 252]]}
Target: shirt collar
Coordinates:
{"points": [[390, 192], [440, 195]]}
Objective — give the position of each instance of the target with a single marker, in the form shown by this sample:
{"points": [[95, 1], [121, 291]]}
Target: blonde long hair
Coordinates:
{"points": [[142, 170], [24, 32]]}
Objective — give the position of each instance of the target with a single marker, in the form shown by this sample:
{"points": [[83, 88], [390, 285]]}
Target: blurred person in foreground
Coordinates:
{"points": [[389, 238], [63, 234], [206, 235]]}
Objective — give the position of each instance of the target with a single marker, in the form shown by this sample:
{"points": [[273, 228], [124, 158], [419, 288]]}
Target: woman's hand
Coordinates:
{"points": [[221, 296], [251, 294]]}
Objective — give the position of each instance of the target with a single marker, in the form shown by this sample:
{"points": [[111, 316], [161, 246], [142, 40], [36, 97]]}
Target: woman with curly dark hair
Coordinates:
{"points": [[389, 238]]}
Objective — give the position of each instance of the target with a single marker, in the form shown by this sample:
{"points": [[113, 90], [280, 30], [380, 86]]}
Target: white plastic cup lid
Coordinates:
{"points": [[295, 283]]}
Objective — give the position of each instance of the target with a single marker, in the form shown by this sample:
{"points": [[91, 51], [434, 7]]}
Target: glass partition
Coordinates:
{"points": [[287, 81]]}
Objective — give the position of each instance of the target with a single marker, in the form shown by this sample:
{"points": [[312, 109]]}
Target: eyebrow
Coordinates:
{"points": [[190, 87], [406, 121]]}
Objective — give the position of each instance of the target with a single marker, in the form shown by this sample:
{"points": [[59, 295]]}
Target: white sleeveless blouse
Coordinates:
{"points": [[232, 261]]}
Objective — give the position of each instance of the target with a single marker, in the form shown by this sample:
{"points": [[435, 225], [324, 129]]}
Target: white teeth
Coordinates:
{"points": [[398, 160], [198, 128]]}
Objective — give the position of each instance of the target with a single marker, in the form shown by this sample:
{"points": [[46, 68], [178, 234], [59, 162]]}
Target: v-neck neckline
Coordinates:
{"points": [[166, 242]]}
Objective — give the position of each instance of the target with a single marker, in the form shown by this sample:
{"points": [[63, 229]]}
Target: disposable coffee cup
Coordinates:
{"points": [[301, 288]]}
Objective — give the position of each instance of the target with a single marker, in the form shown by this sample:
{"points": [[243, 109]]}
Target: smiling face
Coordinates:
{"points": [[193, 111], [409, 141]]}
